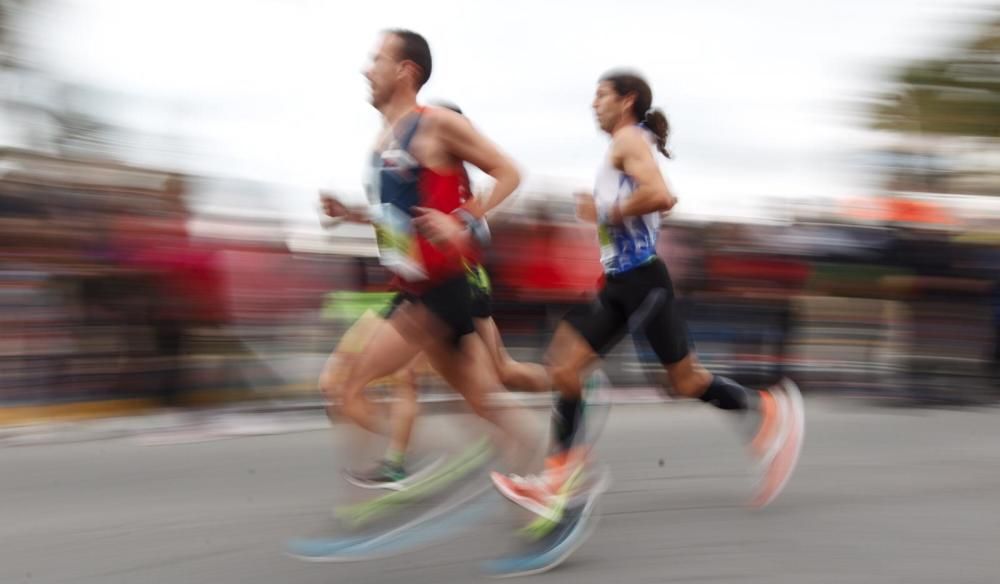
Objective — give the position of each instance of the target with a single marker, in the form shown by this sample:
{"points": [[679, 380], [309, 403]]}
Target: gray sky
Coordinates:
{"points": [[756, 91]]}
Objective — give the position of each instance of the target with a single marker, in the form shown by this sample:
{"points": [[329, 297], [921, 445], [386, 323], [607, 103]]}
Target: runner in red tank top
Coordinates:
{"points": [[424, 233], [392, 471]]}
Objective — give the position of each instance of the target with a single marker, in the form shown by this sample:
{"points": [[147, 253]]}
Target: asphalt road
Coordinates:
{"points": [[881, 495]]}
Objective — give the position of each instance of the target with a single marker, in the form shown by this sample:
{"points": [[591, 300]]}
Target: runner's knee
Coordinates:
{"points": [[330, 380]]}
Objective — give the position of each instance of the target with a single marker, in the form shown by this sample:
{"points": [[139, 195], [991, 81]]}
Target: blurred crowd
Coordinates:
{"points": [[105, 294], [108, 292], [895, 306]]}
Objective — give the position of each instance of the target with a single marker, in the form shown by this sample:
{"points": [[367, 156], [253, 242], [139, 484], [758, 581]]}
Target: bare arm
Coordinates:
{"points": [[334, 209], [464, 142], [586, 210], [632, 155]]}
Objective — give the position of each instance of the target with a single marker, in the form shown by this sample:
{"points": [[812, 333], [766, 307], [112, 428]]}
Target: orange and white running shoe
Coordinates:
{"points": [[778, 442], [544, 493]]}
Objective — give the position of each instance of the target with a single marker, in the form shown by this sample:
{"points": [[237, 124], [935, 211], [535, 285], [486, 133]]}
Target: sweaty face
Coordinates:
{"points": [[384, 70]]}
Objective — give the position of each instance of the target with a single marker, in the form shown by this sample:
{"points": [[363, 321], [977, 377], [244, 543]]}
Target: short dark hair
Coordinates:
{"points": [[416, 50]]}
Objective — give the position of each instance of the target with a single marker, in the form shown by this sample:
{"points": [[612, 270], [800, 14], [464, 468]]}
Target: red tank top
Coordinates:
{"points": [[443, 191], [404, 183]]}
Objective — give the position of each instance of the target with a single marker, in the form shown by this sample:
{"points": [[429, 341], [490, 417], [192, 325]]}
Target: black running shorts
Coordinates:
{"points": [[481, 304], [396, 301], [450, 301], [640, 301]]}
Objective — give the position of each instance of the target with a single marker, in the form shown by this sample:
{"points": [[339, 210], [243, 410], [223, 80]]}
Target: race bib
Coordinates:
{"points": [[609, 252], [397, 242]]}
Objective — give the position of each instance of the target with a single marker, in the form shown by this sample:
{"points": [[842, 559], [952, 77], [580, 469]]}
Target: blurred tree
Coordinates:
{"points": [[7, 8], [945, 114], [954, 95]]}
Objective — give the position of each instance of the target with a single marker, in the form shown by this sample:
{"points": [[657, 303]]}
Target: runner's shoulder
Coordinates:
{"points": [[440, 118], [629, 137]]}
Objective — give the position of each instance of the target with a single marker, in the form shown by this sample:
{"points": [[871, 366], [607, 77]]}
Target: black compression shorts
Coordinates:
{"points": [[640, 301]]}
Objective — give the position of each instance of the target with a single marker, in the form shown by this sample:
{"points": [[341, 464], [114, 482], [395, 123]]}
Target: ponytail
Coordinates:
{"points": [[657, 123]]}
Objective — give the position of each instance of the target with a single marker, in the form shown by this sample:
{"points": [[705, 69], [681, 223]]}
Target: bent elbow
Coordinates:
{"points": [[667, 201], [514, 174], [506, 172]]}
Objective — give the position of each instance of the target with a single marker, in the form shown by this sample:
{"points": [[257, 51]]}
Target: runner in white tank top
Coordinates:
{"points": [[633, 242], [638, 298]]}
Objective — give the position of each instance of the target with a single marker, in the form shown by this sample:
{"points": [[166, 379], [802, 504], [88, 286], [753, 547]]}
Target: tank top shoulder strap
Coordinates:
{"points": [[408, 128]]}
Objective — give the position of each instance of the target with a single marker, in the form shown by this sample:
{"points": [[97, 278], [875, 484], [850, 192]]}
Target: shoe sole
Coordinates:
{"points": [[398, 485], [796, 409], [523, 502], [587, 524], [344, 550], [783, 407], [542, 526]]}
